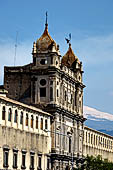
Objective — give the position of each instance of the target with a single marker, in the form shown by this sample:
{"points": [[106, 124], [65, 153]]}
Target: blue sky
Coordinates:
{"points": [[91, 26]]}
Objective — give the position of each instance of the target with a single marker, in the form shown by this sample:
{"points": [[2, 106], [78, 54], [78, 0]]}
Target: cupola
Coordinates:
{"points": [[69, 58]]}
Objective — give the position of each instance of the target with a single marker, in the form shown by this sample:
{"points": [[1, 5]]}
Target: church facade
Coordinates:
{"points": [[42, 123], [55, 86]]}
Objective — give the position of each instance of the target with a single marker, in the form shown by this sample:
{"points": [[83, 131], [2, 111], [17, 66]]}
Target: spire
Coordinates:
{"points": [[45, 41], [69, 57], [46, 23]]}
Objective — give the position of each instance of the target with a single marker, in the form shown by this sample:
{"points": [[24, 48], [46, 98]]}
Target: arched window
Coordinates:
{"points": [[41, 124], [46, 124], [3, 113], [26, 119], [15, 116], [9, 114], [31, 121], [21, 118], [37, 122]]}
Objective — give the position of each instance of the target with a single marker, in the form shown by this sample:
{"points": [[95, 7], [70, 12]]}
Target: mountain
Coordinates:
{"points": [[98, 120]]}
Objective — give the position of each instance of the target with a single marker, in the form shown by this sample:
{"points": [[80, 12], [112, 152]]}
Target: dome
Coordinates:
{"points": [[45, 42], [69, 58]]}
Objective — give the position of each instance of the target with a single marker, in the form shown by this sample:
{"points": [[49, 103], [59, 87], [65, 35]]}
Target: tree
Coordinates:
{"points": [[96, 163]]}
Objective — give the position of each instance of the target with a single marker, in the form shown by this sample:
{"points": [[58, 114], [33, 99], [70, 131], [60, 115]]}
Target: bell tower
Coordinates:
{"points": [[46, 59]]}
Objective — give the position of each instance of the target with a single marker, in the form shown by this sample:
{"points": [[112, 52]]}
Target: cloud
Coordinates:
{"points": [[91, 113], [95, 50], [7, 53]]}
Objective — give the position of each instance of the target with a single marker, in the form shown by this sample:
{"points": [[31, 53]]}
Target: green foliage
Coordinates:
{"points": [[96, 163]]}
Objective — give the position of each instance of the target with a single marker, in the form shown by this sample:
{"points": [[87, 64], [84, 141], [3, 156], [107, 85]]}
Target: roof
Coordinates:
{"points": [[23, 105], [45, 41], [96, 131], [69, 57]]}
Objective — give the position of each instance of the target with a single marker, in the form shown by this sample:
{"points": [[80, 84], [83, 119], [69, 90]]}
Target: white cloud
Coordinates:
{"points": [[95, 50], [91, 112]]}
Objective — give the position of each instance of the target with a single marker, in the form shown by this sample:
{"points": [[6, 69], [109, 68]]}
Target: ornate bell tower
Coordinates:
{"points": [[46, 59], [58, 89]]}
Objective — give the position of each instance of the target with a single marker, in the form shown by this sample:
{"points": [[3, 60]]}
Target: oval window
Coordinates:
{"points": [[43, 82]]}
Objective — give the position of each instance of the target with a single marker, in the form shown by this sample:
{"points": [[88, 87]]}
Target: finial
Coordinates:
{"points": [[68, 40], [46, 18]]}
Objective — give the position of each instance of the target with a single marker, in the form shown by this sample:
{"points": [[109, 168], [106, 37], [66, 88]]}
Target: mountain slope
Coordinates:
{"points": [[97, 119]]}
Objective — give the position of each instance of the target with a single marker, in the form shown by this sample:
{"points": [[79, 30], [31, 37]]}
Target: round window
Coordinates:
{"points": [[43, 61], [43, 82]]}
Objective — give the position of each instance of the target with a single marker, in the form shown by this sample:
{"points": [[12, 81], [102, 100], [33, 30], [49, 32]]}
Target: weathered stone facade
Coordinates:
{"points": [[24, 143], [55, 86]]}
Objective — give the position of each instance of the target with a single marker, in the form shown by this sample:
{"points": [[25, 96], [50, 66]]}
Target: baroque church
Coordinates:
{"points": [[41, 106]]}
